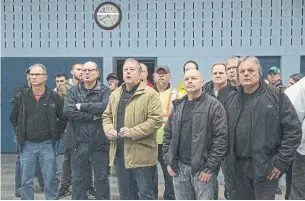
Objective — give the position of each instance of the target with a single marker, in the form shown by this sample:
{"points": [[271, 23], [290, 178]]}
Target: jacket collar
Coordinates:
{"points": [[156, 88], [184, 98], [140, 90], [96, 89]]}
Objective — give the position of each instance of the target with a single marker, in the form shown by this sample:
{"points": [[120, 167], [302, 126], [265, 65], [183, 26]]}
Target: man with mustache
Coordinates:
{"points": [[167, 95]]}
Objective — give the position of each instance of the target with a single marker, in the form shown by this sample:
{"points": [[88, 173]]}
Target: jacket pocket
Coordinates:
{"points": [[144, 154]]}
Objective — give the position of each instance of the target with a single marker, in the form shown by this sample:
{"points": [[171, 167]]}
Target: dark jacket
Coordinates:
{"points": [[224, 93], [209, 137], [18, 90], [92, 104], [276, 130], [209, 88], [55, 114]]}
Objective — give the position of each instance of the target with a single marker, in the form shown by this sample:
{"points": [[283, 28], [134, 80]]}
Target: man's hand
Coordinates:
{"points": [[112, 134], [78, 106], [124, 132], [205, 176], [274, 174], [96, 118], [170, 171]]}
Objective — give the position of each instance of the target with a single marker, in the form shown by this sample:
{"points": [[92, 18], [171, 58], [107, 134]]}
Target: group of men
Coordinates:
{"points": [[238, 122]]}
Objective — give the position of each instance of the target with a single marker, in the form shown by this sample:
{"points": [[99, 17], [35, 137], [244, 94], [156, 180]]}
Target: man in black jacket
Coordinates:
{"points": [[17, 91], [84, 106], [195, 140], [38, 121], [231, 68], [264, 133]]}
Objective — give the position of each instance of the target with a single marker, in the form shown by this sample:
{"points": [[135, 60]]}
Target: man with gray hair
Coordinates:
{"points": [[264, 133], [130, 121], [38, 121]]}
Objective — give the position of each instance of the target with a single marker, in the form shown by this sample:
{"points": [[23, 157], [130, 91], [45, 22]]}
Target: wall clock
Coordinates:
{"points": [[108, 15]]}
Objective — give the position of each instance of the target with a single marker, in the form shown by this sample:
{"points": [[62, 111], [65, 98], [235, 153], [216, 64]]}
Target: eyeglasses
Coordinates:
{"points": [[36, 74], [88, 70]]}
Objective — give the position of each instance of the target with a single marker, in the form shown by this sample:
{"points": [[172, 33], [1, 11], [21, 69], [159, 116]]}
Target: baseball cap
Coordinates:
{"points": [[112, 75], [28, 70], [165, 68], [275, 69]]}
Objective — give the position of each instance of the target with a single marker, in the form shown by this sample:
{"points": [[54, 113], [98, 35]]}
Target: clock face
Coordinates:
{"points": [[108, 15]]}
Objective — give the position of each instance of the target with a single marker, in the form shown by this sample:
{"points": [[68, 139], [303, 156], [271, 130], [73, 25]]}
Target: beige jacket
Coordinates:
{"points": [[143, 116]]}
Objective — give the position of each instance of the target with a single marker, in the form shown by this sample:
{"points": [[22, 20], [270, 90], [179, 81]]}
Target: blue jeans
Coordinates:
{"points": [[45, 153], [80, 170], [38, 173], [188, 187], [136, 183]]}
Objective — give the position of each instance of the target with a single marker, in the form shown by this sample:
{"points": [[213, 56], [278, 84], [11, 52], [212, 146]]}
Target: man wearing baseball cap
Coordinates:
{"points": [[113, 81], [274, 77], [167, 94]]}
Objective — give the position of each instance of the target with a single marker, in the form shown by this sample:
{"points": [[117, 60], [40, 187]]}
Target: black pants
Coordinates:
{"points": [[66, 171], [247, 188], [169, 193], [288, 182], [79, 163], [298, 178]]}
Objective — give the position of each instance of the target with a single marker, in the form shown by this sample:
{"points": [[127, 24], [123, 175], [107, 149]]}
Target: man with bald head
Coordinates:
{"points": [[195, 140], [84, 106], [38, 122]]}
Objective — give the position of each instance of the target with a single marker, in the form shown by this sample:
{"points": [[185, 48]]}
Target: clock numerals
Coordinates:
{"points": [[108, 15]]}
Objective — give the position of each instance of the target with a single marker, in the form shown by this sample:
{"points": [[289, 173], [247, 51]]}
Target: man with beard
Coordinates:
{"points": [[65, 183], [167, 95]]}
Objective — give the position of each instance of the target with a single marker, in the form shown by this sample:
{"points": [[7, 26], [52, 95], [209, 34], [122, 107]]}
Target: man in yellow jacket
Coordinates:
{"points": [[187, 66], [167, 95], [130, 121]]}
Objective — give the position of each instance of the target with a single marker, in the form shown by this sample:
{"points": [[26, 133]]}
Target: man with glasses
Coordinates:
{"points": [[18, 166], [38, 121], [65, 182], [84, 106], [223, 96]]}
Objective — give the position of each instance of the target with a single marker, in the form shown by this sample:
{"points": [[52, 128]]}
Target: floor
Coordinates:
{"points": [[8, 182]]}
